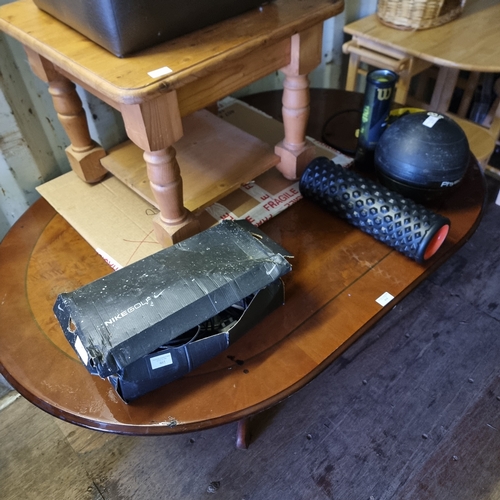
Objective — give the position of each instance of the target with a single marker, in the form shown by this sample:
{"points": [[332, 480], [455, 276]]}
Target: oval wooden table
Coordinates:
{"points": [[331, 299]]}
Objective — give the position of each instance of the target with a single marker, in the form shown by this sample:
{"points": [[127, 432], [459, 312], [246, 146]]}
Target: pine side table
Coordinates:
{"points": [[161, 94]]}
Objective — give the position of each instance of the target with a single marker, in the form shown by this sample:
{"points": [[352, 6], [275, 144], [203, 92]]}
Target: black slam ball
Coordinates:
{"points": [[422, 155]]}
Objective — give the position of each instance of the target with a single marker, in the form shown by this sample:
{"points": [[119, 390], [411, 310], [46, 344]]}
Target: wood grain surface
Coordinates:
{"points": [[338, 273], [429, 367], [469, 42], [218, 48]]}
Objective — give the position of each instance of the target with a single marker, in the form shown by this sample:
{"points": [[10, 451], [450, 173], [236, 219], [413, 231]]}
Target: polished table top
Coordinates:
{"points": [[470, 42], [338, 274]]}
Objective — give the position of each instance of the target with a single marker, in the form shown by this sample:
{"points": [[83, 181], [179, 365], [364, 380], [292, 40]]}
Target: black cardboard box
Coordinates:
{"points": [[195, 347], [124, 317]]}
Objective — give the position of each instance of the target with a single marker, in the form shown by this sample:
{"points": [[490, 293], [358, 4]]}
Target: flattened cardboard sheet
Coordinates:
{"points": [[117, 222]]}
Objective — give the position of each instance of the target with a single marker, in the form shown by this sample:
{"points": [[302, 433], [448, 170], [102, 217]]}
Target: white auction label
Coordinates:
{"points": [[161, 360], [159, 72], [384, 299], [81, 351], [431, 120]]}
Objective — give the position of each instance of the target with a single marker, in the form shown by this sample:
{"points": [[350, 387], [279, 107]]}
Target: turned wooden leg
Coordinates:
{"points": [[305, 54], [84, 154], [243, 434], [174, 223], [154, 126], [295, 152]]}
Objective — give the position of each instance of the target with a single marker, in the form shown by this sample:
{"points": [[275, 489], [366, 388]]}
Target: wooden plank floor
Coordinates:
{"points": [[410, 411]]}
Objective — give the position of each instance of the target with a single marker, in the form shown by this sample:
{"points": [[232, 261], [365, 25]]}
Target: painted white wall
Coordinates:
{"points": [[32, 141]]}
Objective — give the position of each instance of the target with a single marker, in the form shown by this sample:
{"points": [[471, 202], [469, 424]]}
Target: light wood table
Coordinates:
{"points": [[470, 42], [155, 89], [338, 274]]}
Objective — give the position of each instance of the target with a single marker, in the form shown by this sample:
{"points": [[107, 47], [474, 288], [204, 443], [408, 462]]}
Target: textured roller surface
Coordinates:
{"points": [[399, 222]]}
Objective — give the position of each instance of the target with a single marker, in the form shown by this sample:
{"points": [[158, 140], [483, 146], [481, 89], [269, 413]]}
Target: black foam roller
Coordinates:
{"points": [[399, 222]]}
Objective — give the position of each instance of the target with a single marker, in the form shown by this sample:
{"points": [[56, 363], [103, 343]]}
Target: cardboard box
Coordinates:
{"points": [[123, 317]]}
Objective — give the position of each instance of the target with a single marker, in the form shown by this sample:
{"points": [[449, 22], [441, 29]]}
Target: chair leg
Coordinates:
{"points": [[352, 72], [443, 91], [469, 90]]}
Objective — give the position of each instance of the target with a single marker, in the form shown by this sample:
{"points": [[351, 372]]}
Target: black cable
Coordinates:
{"points": [[336, 146]]}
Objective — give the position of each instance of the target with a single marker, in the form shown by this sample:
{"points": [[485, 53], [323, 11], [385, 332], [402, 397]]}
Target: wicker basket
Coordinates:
{"points": [[418, 14]]}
